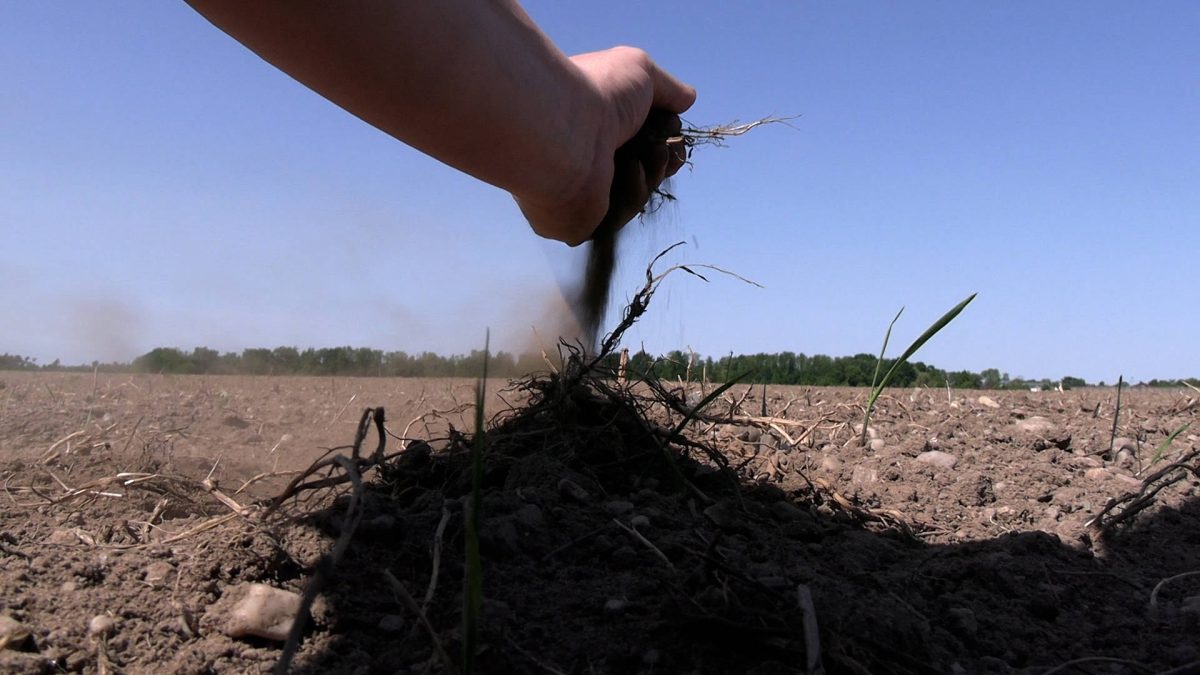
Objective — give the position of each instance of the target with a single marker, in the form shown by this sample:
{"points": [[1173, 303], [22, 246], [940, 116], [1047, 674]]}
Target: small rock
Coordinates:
{"points": [[101, 625], [572, 490], [751, 435], [942, 460], [988, 401], [639, 522], [615, 605], [857, 429], [775, 583], [617, 507], [13, 634], [1125, 459], [530, 517], [1121, 443], [157, 573], [391, 623], [383, 523], [965, 620], [786, 511], [1097, 473], [264, 612], [877, 445], [726, 515], [624, 557], [1047, 432], [1035, 425], [864, 475]]}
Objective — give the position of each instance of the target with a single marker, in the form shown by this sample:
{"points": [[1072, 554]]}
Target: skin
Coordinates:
{"points": [[475, 84]]}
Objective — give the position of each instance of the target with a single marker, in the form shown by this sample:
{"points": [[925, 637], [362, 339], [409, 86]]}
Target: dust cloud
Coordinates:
{"points": [[104, 328]]}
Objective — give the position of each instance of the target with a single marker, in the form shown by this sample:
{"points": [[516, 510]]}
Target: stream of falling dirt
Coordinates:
{"points": [[594, 290]]}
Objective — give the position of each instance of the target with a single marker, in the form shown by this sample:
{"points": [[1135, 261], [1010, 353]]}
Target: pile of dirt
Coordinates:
{"points": [[611, 543]]}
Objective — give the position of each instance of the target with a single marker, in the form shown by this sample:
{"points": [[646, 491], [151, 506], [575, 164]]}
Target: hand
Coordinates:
{"points": [[627, 85]]}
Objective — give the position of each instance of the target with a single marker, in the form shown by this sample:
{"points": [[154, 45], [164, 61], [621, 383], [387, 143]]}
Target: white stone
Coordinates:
{"points": [[988, 401], [943, 460], [101, 625], [263, 611]]}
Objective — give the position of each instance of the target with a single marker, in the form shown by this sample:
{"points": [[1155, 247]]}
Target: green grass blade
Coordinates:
{"points": [[912, 349], [473, 595], [1166, 444], [883, 350], [887, 337]]}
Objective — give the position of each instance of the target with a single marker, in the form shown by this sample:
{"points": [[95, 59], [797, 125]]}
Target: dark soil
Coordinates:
{"points": [[602, 553]]}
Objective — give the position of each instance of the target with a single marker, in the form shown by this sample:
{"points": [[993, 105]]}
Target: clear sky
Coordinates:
{"points": [[162, 186]]}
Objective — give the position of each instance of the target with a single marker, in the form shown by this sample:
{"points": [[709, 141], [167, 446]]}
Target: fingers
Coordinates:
{"points": [[670, 93]]}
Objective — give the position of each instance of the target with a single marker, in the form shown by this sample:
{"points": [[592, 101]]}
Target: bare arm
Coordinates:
{"points": [[473, 83]]}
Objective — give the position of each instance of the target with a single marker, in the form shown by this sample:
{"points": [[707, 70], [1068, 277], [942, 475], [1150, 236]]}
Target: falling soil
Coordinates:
{"points": [[632, 162]]}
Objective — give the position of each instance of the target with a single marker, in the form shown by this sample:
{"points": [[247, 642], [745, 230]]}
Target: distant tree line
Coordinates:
{"points": [[780, 368]]}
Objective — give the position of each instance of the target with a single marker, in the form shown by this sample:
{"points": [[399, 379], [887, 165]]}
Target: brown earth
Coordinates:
{"points": [[599, 555]]}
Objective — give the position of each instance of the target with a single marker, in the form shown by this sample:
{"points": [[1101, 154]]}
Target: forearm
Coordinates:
{"points": [[503, 104]]}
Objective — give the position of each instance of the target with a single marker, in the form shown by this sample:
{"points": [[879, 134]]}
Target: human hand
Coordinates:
{"points": [[627, 86]]}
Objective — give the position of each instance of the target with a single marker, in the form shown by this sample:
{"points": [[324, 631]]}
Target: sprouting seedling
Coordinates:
{"points": [[1112, 439], [879, 384], [473, 591], [1166, 444]]}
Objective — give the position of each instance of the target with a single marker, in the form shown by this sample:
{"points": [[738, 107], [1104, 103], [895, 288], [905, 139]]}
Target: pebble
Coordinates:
{"points": [[572, 490], [624, 557], [391, 623], [1035, 425], [615, 605], [726, 515], [864, 475], [786, 511], [965, 619], [1097, 473], [157, 573], [530, 517], [13, 633], [639, 522], [1121, 443], [617, 507], [775, 583], [988, 401], [263, 611], [101, 625], [942, 460], [877, 445]]}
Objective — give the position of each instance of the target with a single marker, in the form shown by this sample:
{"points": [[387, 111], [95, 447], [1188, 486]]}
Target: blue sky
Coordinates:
{"points": [[160, 185]]}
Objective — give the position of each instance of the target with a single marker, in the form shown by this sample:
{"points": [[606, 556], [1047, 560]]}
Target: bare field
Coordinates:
{"points": [[963, 540]]}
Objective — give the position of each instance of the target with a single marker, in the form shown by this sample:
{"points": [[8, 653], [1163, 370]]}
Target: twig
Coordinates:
{"points": [[325, 567], [1158, 587], [645, 542], [812, 638], [549, 669], [1097, 659], [437, 559], [50, 455], [399, 589]]}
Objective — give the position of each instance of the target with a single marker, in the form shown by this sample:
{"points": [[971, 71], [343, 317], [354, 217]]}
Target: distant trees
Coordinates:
{"points": [[17, 362], [777, 368]]}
